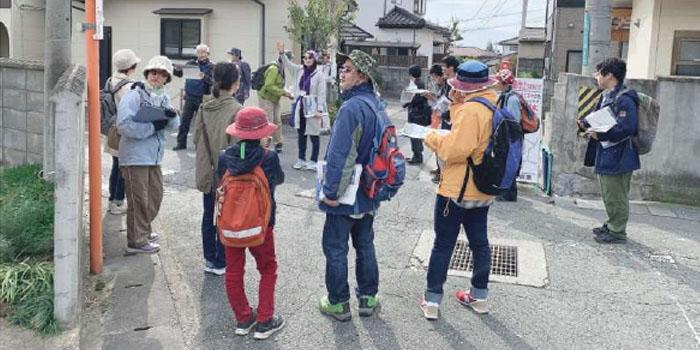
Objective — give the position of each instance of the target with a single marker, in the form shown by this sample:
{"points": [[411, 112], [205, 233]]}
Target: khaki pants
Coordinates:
{"points": [[272, 109], [144, 192], [615, 190]]}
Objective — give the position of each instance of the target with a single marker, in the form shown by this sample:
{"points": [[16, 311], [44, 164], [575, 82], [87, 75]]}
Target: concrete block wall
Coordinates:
{"points": [[670, 172], [21, 111], [395, 79]]}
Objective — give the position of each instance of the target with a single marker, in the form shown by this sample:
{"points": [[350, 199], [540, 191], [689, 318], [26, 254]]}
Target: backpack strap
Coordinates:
{"points": [[373, 106], [119, 85]]}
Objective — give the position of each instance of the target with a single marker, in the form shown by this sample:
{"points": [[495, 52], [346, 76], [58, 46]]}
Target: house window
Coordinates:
{"points": [[686, 53], [419, 7], [5, 4], [179, 37], [397, 51]]}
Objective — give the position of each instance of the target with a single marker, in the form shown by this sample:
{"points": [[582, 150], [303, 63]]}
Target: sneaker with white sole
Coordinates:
{"points": [[431, 311], [117, 208], [300, 164], [310, 165], [478, 305], [243, 328], [265, 330], [219, 271], [148, 248]]}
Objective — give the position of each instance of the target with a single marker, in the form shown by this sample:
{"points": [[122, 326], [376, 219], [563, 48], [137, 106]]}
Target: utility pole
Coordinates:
{"points": [[57, 58], [596, 34], [523, 21]]}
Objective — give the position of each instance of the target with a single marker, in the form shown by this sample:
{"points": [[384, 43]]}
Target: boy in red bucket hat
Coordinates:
{"points": [[250, 127]]}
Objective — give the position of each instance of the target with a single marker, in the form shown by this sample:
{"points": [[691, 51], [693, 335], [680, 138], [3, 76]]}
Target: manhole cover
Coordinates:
{"points": [[504, 259], [512, 261]]}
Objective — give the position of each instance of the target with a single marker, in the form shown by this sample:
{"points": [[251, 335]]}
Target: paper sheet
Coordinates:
{"points": [[601, 120], [350, 194], [416, 131], [191, 72]]}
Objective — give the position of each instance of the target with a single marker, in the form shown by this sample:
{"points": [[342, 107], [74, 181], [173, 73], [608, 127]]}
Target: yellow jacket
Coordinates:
{"points": [[469, 137]]}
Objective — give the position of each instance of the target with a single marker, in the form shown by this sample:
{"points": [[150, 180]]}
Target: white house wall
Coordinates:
{"points": [[27, 29], [651, 44]]}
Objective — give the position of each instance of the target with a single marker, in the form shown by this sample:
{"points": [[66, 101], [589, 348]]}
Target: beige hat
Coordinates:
{"points": [[124, 59], [162, 63]]}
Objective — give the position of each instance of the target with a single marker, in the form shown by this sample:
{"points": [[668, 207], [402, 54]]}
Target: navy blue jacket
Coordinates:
{"points": [[419, 109], [623, 157], [350, 143], [196, 88], [230, 159]]}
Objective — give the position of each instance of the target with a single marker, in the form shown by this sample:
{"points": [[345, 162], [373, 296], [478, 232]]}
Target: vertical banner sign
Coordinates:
{"points": [[99, 20], [531, 90], [586, 37]]}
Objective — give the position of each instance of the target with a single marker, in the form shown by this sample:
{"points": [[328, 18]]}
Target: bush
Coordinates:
{"points": [[26, 214], [27, 287]]}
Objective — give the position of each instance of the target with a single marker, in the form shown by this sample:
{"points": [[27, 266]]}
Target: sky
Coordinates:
{"points": [[484, 20]]}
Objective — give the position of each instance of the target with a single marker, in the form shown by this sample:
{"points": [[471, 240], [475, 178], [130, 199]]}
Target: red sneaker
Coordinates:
{"points": [[478, 305]]}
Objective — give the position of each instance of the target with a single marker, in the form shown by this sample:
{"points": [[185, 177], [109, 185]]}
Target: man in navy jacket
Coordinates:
{"points": [[350, 143], [613, 153], [195, 89]]}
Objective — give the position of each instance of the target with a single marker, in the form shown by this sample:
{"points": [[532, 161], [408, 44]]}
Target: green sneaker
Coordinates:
{"points": [[368, 305], [340, 311]]}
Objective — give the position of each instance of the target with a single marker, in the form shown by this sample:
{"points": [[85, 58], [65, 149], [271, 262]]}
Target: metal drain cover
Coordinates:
{"points": [[504, 259], [512, 261]]}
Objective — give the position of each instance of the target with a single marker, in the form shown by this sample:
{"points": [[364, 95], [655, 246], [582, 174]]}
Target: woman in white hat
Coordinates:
{"points": [[141, 152], [125, 62]]}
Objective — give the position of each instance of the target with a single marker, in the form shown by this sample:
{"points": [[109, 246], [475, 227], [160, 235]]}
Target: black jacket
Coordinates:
{"points": [[419, 109]]}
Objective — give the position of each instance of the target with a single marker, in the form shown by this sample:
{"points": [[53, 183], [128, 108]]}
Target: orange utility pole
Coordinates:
{"points": [[94, 157]]}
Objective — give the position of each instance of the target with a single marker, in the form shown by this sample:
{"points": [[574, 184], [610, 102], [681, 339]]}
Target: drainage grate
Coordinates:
{"points": [[504, 259]]}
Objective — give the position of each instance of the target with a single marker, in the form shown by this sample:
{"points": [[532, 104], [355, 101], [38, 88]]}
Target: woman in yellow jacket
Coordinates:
{"points": [[471, 130]]}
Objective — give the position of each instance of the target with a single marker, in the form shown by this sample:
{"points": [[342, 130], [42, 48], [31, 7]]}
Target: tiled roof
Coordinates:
{"points": [[399, 17], [373, 43], [509, 42], [470, 51], [350, 31]]}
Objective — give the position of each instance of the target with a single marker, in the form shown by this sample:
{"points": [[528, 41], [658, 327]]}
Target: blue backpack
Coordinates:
{"points": [[502, 156], [386, 169]]}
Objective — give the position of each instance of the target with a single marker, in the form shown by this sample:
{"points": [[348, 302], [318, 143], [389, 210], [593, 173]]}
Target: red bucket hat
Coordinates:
{"points": [[251, 124]]}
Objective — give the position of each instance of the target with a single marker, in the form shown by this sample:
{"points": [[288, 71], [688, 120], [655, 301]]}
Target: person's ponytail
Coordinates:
{"points": [[216, 89]]}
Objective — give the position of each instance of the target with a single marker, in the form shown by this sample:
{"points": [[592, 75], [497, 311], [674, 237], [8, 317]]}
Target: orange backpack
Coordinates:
{"points": [[243, 209]]}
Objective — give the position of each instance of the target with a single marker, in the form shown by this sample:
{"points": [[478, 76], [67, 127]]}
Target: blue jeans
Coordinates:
{"points": [[336, 231], [448, 219], [116, 182], [213, 249]]}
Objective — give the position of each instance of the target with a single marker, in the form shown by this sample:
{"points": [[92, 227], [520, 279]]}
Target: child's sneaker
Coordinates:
{"points": [[478, 305], [431, 311], [265, 330], [243, 328], [310, 165], [300, 164], [368, 305], [340, 311]]}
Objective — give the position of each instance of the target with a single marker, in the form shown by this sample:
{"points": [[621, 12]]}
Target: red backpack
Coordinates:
{"points": [[243, 208], [384, 173], [528, 119]]}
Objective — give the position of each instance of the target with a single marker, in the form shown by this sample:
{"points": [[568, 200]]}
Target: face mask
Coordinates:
{"points": [[157, 91]]}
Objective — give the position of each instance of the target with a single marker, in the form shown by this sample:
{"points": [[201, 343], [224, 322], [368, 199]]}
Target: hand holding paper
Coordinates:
{"points": [[601, 120]]}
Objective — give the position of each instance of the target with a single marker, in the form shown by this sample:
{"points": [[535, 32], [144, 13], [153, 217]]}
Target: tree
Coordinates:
{"points": [[315, 24], [489, 46], [455, 33]]}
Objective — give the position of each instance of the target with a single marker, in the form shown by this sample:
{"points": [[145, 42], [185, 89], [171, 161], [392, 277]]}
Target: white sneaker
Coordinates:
{"points": [[148, 248], [431, 311], [153, 237], [214, 271], [299, 164], [310, 165], [117, 209]]}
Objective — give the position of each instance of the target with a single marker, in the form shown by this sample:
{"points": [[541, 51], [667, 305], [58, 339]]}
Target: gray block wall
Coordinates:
{"points": [[21, 111], [395, 79]]}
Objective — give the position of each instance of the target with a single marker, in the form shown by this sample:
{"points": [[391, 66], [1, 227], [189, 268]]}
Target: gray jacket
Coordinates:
{"points": [[140, 144]]}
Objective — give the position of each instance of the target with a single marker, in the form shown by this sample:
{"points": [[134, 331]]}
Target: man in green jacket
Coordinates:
{"points": [[269, 99]]}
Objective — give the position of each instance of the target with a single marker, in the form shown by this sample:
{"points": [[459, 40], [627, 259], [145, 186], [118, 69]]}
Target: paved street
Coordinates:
{"points": [[643, 295]]}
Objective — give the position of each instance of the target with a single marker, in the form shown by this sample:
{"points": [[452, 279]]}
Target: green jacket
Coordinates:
{"points": [[273, 87]]}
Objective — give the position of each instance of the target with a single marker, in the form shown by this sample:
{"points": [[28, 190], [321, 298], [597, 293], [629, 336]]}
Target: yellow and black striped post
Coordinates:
{"points": [[588, 97]]}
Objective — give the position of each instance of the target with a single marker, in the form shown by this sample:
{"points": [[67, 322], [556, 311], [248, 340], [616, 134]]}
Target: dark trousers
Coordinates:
{"points": [[116, 182], [315, 142], [417, 148], [266, 262], [213, 249], [336, 232], [448, 219], [189, 112]]}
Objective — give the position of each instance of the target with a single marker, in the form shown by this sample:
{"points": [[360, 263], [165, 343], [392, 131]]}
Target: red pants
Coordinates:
{"points": [[267, 266]]}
